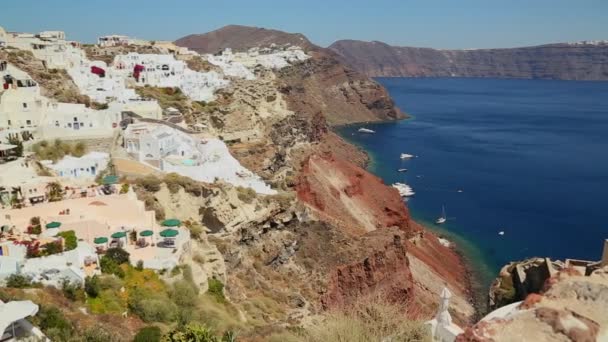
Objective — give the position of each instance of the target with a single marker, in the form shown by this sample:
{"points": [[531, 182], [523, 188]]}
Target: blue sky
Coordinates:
{"points": [[428, 23]]}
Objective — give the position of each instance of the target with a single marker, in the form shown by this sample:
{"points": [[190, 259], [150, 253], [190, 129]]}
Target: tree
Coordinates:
{"points": [[109, 266], [92, 286], [70, 239], [148, 334], [118, 255], [54, 192]]}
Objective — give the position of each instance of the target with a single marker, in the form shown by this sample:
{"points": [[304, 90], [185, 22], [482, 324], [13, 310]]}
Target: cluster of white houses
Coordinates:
{"points": [[203, 159]]}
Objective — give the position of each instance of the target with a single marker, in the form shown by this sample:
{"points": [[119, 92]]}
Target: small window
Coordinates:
{"points": [[28, 122], [70, 125], [56, 123], [9, 122], [24, 105], [75, 119]]}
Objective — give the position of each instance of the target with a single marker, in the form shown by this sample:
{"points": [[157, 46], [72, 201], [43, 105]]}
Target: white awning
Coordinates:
{"points": [[14, 311], [6, 147]]}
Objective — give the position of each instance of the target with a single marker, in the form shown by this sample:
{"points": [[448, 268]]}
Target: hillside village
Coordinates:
{"points": [[147, 187]]}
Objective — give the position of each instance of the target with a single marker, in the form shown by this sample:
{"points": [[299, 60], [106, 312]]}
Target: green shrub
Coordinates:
{"points": [[99, 334], [154, 309], [109, 266], [58, 149], [216, 290], [194, 332], [18, 281], [118, 255], [148, 334], [92, 286], [72, 290], [150, 182], [53, 323], [52, 248], [124, 188], [246, 195], [184, 294], [70, 240]]}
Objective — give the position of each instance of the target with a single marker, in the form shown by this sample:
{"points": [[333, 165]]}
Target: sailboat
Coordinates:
{"points": [[442, 218]]}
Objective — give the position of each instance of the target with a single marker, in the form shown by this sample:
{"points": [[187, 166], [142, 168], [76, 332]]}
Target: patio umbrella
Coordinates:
{"points": [[146, 233], [109, 180], [100, 240], [119, 235], [53, 224], [172, 223], [169, 233]]}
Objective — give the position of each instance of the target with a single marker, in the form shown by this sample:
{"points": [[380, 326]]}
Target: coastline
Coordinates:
{"points": [[478, 274]]}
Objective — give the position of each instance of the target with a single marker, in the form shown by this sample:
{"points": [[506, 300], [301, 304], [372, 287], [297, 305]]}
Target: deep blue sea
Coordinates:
{"points": [[530, 156]]}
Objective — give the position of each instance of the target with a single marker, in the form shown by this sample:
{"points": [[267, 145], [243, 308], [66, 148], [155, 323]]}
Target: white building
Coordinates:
{"points": [[205, 160], [52, 270], [87, 166], [13, 323], [118, 40], [442, 328], [112, 40], [165, 71]]}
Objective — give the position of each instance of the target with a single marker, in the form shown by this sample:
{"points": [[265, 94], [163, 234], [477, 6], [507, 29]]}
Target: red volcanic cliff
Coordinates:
{"points": [[395, 257], [350, 197], [384, 271]]}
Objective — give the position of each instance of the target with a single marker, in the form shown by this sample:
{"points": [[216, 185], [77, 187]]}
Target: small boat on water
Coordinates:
{"points": [[501, 233], [404, 189], [401, 170], [406, 156], [366, 130], [442, 218]]}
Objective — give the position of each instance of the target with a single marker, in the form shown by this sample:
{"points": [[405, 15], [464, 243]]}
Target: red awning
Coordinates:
{"points": [[98, 71]]}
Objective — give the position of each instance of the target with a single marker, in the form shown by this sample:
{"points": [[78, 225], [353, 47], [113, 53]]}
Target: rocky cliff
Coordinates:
{"points": [[345, 234], [571, 307], [578, 61]]}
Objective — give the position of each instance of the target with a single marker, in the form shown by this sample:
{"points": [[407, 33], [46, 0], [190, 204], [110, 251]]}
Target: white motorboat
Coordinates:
{"points": [[366, 130], [501, 233], [406, 156], [401, 170], [404, 189], [442, 219]]}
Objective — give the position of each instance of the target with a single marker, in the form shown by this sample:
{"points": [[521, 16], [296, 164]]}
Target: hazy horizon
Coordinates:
{"points": [[468, 24]]}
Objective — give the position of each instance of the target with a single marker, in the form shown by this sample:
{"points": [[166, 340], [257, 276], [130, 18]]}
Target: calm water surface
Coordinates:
{"points": [[531, 157]]}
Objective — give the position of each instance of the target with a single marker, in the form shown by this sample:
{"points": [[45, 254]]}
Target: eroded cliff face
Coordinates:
{"points": [[345, 96], [384, 272], [360, 205], [350, 197], [579, 61]]}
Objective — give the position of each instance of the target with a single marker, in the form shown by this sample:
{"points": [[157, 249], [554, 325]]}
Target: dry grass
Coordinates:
{"points": [[370, 319]]}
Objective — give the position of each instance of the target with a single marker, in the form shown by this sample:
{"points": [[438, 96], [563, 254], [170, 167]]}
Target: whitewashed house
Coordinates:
{"points": [[205, 160], [87, 166], [165, 71]]}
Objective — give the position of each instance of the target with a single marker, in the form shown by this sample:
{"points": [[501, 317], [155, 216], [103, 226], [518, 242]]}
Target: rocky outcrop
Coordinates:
{"points": [[324, 84], [571, 308], [578, 61]]}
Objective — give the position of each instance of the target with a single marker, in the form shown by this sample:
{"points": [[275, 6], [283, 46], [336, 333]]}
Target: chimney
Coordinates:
{"points": [[604, 261]]}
